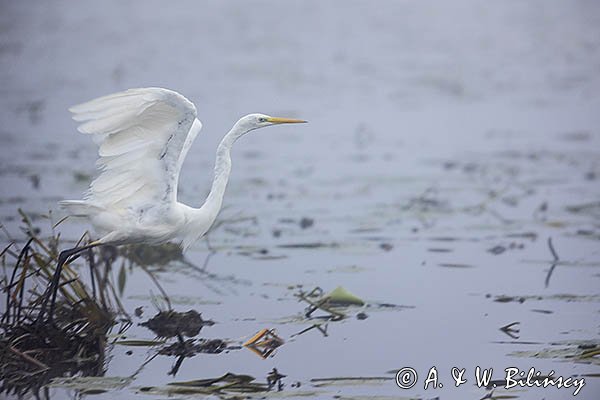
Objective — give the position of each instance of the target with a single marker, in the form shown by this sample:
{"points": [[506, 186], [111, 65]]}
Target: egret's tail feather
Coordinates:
{"points": [[78, 208]]}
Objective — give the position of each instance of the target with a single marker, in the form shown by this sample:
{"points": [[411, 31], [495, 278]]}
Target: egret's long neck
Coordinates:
{"points": [[201, 219], [213, 202]]}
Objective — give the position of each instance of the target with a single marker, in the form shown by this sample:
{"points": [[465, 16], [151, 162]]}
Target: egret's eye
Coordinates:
{"points": [[262, 119]]}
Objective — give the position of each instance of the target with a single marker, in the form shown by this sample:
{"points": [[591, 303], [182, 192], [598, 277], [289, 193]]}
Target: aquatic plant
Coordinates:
{"points": [[37, 343]]}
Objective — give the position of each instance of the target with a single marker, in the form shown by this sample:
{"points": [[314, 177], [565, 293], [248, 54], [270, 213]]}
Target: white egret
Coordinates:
{"points": [[143, 137]]}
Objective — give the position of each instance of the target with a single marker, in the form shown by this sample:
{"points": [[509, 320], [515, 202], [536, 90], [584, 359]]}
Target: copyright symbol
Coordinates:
{"points": [[406, 378]]}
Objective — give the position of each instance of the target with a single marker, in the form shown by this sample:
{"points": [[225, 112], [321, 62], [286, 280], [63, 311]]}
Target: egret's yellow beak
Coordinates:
{"points": [[277, 120]]}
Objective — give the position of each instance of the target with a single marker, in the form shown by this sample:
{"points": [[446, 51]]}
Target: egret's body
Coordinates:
{"points": [[143, 137]]}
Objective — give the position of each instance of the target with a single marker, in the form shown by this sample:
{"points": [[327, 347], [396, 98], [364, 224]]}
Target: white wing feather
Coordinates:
{"points": [[143, 136]]}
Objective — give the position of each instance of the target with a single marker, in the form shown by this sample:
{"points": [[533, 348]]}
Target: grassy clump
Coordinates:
{"points": [[36, 345]]}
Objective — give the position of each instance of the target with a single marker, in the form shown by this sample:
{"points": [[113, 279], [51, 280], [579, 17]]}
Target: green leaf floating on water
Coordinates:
{"points": [[342, 297]]}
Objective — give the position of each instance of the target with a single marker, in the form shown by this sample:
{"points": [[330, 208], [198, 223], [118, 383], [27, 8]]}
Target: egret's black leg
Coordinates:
{"points": [[92, 263], [63, 257]]}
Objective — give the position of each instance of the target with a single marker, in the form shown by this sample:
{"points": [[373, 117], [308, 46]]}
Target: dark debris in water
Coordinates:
{"points": [[583, 351], [191, 347], [557, 297], [361, 316], [523, 235], [511, 299], [321, 327], [349, 380], [499, 249], [306, 222], [591, 209], [496, 250], [588, 233], [312, 245], [440, 250], [511, 329], [541, 311], [427, 202], [169, 324], [275, 378], [386, 246], [227, 384], [455, 265]]}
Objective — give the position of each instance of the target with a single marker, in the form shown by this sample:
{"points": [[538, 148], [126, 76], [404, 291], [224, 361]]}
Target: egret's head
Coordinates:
{"points": [[255, 121]]}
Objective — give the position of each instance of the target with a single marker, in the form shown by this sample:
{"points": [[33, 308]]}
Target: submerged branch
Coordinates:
{"points": [[554, 264]]}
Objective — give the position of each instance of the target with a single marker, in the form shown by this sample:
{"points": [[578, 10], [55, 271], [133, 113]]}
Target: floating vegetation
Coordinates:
{"points": [[386, 246], [335, 306], [537, 310], [312, 245], [191, 347], [347, 269], [587, 209], [321, 327], [306, 222], [496, 250], [350, 380], [440, 250], [455, 265], [583, 351], [91, 384], [510, 299], [264, 343], [511, 329], [559, 297], [317, 301], [168, 324], [522, 235], [555, 262], [275, 378], [226, 384], [340, 296], [588, 234]]}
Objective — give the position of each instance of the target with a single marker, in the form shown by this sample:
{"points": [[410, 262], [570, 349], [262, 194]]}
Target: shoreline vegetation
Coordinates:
{"points": [[36, 345]]}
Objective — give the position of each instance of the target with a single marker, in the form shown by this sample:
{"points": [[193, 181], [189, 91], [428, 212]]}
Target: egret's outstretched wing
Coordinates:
{"points": [[143, 136]]}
